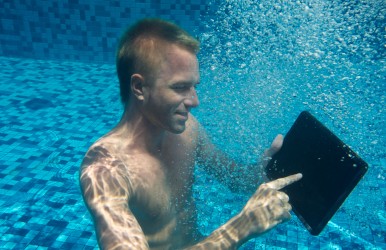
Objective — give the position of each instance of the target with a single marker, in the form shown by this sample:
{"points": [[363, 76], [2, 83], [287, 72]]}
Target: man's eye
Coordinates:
{"points": [[180, 87]]}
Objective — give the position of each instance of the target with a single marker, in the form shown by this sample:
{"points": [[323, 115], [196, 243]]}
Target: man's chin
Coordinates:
{"points": [[177, 129]]}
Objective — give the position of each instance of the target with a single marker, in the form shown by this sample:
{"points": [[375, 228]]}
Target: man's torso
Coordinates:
{"points": [[161, 185]]}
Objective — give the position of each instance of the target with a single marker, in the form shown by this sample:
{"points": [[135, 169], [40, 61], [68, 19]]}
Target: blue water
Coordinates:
{"points": [[265, 63], [261, 64]]}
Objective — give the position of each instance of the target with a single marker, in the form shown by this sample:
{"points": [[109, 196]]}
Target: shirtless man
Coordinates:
{"points": [[137, 179]]}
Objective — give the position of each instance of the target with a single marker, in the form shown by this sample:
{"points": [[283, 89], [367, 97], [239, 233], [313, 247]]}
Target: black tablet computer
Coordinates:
{"points": [[330, 171]]}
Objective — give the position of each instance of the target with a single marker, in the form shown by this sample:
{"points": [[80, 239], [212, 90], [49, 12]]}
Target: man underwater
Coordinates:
{"points": [[137, 179]]}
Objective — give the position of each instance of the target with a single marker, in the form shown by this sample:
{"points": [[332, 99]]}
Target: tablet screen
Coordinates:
{"points": [[330, 171]]}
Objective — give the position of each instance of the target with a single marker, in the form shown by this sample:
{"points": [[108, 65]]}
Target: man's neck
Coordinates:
{"points": [[139, 132]]}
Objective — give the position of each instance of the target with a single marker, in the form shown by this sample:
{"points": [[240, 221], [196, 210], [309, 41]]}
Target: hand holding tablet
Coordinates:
{"points": [[330, 169]]}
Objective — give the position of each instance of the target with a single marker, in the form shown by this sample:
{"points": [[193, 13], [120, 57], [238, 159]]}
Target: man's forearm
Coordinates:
{"points": [[229, 236], [266, 208], [237, 177], [246, 178]]}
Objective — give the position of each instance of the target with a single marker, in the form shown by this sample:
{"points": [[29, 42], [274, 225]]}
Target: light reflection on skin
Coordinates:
{"points": [[137, 180]]}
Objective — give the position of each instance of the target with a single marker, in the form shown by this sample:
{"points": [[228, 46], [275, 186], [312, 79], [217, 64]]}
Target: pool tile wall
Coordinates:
{"points": [[83, 30]]}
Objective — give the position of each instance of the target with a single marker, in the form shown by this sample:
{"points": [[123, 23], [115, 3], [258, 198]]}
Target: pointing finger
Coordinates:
{"points": [[283, 182]]}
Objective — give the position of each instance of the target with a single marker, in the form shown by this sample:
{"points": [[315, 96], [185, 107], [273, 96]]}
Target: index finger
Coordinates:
{"points": [[283, 182]]}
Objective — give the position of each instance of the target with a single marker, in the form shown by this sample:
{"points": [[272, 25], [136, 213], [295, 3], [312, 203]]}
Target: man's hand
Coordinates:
{"points": [[264, 210], [273, 149], [268, 206], [267, 156]]}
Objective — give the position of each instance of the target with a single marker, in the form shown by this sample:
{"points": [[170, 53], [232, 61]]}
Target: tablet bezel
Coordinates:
{"points": [[310, 148]]}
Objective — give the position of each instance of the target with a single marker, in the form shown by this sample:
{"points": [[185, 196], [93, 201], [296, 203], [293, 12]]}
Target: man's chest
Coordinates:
{"points": [[163, 205], [163, 191]]}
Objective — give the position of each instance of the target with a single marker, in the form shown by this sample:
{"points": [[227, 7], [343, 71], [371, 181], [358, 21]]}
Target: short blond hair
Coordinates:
{"points": [[141, 48]]}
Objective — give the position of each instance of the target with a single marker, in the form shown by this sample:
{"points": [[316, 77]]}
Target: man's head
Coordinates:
{"points": [[141, 51]]}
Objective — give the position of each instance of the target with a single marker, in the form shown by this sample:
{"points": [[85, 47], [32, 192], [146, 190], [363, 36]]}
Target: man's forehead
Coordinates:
{"points": [[179, 67], [179, 61], [177, 54]]}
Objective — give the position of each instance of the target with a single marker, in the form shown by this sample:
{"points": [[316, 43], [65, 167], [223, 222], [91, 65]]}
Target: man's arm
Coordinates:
{"points": [[264, 210], [235, 176], [106, 192]]}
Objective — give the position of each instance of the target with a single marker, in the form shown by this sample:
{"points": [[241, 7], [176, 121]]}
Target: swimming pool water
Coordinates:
{"points": [[42, 147], [52, 112], [261, 64]]}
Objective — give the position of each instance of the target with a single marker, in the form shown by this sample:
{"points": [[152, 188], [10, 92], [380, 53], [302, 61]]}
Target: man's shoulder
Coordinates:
{"points": [[100, 162], [101, 156], [101, 150], [102, 175], [97, 153], [97, 157]]}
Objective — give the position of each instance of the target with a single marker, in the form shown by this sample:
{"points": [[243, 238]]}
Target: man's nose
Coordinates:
{"points": [[192, 99]]}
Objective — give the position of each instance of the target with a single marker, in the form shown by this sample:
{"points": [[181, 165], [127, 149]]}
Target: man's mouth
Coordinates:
{"points": [[184, 114]]}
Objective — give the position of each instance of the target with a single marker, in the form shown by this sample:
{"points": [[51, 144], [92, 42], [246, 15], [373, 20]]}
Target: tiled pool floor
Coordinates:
{"points": [[53, 111]]}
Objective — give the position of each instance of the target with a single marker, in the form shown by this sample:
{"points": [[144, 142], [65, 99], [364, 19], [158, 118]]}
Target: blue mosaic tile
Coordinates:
{"points": [[83, 30]]}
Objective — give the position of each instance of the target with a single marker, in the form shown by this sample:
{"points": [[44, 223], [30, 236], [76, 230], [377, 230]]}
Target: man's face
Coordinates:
{"points": [[170, 98]]}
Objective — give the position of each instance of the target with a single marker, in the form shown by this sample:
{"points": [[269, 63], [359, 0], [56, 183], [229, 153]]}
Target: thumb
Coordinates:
{"points": [[273, 149]]}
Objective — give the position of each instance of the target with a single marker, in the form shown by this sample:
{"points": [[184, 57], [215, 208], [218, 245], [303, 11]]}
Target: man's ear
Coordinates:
{"points": [[137, 83]]}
